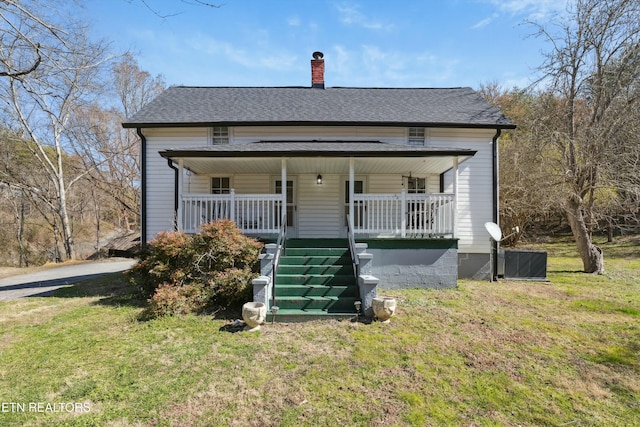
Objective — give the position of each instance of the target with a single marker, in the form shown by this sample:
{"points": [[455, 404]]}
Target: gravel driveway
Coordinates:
{"points": [[43, 283]]}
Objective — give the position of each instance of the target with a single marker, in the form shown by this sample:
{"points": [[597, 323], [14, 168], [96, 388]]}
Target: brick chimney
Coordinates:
{"points": [[317, 70]]}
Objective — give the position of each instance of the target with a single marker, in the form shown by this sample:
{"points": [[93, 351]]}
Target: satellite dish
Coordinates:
{"points": [[494, 230]]}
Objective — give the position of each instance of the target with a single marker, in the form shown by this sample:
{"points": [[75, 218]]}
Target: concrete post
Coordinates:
{"points": [[364, 258], [267, 258], [263, 285], [367, 284], [262, 290], [368, 291]]}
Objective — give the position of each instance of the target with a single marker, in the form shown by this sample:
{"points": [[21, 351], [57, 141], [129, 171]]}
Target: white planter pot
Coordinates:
{"points": [[384, 308], [254, 314]]}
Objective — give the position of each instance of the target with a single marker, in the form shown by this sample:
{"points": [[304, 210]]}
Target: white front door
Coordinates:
{"points": [[292, 211]]}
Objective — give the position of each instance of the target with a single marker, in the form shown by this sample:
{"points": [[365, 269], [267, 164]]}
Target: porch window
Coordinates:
{"points": [[416, 185], [221, 185], [220, 135], [416, 137]]}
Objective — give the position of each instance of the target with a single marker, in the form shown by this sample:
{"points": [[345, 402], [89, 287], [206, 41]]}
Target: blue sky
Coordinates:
{"points": [[367, 43]]}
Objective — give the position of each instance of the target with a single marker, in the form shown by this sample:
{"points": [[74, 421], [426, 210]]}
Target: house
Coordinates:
{"points": [[410, 174]]}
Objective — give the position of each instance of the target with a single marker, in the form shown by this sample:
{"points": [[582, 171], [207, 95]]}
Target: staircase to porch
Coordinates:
{"points": [[315, 279]]}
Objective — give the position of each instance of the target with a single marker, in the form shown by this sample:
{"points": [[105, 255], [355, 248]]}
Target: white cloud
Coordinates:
{"points": [[262, 57], [531, 9], [484, 22], [372, 66], [351, 15], [294, 21]]}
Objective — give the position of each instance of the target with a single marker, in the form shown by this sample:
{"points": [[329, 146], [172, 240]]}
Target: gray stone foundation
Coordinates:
{"points": [[405, 264]]}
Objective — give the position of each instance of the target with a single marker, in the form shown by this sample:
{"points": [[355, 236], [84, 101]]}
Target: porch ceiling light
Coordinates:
{"points": [[319, 179]]}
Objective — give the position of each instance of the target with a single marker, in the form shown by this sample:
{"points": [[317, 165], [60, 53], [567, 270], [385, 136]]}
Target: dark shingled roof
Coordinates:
{"points": [[314, 148], [228, 106]]}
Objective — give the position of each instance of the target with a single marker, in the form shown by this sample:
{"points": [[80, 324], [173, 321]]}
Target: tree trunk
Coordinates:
{"points": [[592, 256], [23, 251], [67, 236]]}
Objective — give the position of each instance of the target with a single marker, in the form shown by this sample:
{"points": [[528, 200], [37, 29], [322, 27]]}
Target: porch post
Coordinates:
{"points": [[455, 197], [352, 178], [232, 207], [403, 213], [283, 188], [178, 219]]}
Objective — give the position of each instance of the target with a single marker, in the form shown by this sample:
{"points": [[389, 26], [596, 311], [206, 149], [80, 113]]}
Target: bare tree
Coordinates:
{"points": [[524, 164], [40, 102], [149, 5], [20, 53], [109, 152], [590, 82]]}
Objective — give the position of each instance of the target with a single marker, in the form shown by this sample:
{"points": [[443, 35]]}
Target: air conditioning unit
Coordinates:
{"points": [[522, 265]]}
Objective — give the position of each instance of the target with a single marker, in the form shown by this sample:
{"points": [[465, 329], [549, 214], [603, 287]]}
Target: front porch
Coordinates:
{"points": [[399, 215], [386, 190], [324, 204]]}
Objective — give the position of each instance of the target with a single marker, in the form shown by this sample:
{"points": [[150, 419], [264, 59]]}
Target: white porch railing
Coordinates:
{"points": [[253, 213], [397, 214], [404, 215]]}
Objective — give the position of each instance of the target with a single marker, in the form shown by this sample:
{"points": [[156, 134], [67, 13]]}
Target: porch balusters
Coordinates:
{"points": [[405, 215], [253, 213], [393, 214]]}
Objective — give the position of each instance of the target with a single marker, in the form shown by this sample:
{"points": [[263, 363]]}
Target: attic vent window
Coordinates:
{"points": [[416, 137], [220, 135]]}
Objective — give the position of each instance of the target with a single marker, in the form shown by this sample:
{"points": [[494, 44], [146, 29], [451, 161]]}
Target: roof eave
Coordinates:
{"points": [[311, 153], [134, 125]]}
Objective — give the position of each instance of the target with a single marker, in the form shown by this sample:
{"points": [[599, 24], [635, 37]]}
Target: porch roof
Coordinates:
{"points": [[314, 149], [317, 156]]}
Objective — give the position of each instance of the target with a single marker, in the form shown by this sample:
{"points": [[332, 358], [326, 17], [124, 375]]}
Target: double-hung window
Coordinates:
{"points": [[220, 135], [221, 185], [416, 136], [416, 185]]}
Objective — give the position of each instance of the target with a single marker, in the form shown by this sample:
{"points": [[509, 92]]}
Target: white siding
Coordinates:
{"points": [[248, 134], [200, 184], [252, 184], [160, 177], [393, 183], [475, 183], [384, 184], [320, 207]]}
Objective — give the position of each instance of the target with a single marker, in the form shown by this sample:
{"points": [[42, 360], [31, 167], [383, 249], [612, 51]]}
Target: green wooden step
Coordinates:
{"points": [[313, 251], [315, 269], [317, 243], [344, 259], [317, 291], [314, 279], [294, 315], [330, 304]]}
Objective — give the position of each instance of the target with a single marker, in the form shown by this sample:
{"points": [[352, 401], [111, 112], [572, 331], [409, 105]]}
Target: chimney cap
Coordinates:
{"points": [[317, 55]]}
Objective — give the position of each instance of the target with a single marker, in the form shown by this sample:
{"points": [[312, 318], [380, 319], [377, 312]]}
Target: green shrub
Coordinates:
{"points": [[165, 259], [182, 273], [171, 300], [230, 287]]}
